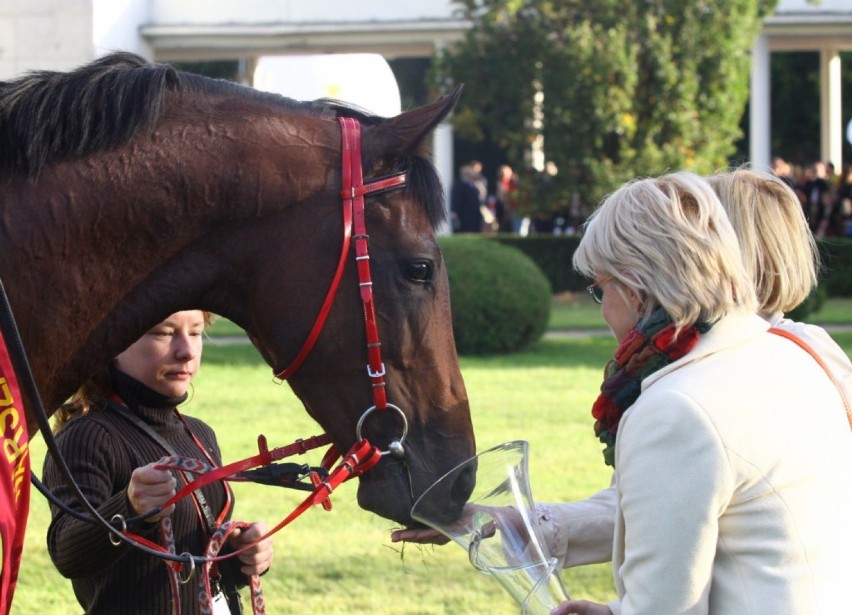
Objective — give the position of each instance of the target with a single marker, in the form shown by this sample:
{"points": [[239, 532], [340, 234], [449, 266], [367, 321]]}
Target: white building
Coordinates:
{"points": [[61, 34]]}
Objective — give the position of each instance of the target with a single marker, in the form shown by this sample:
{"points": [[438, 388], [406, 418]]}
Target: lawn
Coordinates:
{"points": [[579, 311], [343, 560]]}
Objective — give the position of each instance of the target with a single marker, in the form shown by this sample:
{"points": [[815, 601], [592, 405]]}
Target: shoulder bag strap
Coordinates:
{"points": [[805, 346], [209, 517]]}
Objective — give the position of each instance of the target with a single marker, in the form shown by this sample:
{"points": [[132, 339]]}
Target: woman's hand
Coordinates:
{"points": [[581, 607], [149, 489], [257, 559]]}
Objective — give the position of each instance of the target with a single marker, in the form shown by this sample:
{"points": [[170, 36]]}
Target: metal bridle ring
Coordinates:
{"points": [[184, 581], [115, 541], [367, 413]]}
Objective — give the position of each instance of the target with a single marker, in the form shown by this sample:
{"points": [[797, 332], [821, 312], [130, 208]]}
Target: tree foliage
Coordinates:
{"points": [[628, 88]]}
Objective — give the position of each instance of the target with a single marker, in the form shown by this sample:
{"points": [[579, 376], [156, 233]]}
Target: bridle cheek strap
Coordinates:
{"points": [[353, 190]]}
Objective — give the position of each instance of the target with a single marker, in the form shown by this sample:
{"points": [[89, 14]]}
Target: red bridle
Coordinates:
{"points": [[353, 190], [361, 457]]}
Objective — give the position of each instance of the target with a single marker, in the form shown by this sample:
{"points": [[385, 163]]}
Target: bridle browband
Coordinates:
{"points": [[361, 457]]}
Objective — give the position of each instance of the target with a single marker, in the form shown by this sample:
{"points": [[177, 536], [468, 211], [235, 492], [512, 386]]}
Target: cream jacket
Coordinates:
{"points": [[733, 490]]}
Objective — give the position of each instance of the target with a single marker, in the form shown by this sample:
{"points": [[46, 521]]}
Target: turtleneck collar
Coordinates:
{"points": [[144, 400]]}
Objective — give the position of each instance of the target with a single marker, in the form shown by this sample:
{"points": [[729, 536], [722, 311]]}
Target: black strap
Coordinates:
{"points": [[125, 413]]}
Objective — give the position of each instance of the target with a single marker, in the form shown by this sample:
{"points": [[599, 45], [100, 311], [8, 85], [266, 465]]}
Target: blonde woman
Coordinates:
{"points": [[780, 254], [725, 438]]}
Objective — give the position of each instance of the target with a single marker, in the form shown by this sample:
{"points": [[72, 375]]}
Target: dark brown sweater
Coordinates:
{"points": [[102, 449]]}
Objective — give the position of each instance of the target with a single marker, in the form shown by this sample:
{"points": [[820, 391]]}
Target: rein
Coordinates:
{"points": [[360, 458]]}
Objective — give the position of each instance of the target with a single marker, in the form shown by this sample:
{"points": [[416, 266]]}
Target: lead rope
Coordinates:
{"points": [[205, 595]]}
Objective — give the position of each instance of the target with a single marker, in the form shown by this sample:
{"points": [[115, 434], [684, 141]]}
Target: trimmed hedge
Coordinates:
{"points": [[836, 274], [553, 255], [500, 298]]}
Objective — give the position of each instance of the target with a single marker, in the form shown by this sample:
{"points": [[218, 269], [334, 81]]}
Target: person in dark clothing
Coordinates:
{"points": [[111, 433], [465, 202], [817, 191]]}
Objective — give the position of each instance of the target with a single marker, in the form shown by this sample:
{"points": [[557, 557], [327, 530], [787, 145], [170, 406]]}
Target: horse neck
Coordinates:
{"points": [[91, 233]]}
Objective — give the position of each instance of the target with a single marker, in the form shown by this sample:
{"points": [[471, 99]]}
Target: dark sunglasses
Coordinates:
{"points": [[596, 291]]}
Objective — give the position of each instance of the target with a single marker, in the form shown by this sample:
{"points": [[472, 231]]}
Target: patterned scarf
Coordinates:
{"points": [[650, 346]]}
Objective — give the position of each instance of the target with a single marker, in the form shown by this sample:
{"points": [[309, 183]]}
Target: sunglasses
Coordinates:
{"points": [[596, 291]]}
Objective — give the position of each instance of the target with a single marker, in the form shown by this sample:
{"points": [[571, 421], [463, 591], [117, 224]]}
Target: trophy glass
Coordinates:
{"points": [[498, 526]]}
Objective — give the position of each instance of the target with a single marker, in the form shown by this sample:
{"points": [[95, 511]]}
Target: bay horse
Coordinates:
{"points": [[130, 190]]}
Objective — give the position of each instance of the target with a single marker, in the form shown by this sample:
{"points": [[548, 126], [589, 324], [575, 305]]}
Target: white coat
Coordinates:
{"points": [[733, 488]]}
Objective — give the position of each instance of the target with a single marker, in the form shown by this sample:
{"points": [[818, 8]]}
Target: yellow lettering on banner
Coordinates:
{"points": [[7, 393], [12, 415], [13, 447], [20, 471]]}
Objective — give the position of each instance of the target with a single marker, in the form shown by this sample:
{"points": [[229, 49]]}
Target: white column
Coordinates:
{"points": [[831, 122], [760, 107], [442, 156]]}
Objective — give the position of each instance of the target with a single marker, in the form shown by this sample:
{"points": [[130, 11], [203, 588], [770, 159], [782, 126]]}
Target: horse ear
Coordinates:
{"points": [[401, 135]]}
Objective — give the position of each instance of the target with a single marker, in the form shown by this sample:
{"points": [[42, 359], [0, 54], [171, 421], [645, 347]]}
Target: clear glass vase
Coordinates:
{"points": [[498, 526]]}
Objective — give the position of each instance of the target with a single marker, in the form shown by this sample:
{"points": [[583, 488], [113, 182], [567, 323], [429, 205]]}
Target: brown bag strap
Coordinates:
{"points": [[804, 345]]}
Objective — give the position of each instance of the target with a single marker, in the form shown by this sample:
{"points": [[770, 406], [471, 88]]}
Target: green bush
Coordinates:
{"points": [[500, 298], [813, 303], [837, 266], [553, 255]]}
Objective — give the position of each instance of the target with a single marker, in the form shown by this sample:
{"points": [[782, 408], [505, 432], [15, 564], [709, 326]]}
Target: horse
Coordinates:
{"points": [[130, 190]]}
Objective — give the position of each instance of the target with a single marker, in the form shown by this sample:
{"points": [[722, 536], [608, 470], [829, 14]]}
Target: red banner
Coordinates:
{"points": [[14, 478]]}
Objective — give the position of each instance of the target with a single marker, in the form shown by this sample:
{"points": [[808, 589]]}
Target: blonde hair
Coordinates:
{"points": [[669, 240], [778, 248], [94, 391]]}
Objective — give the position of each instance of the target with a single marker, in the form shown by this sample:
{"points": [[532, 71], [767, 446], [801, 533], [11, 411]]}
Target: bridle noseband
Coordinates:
{"points": [[353, 190]]}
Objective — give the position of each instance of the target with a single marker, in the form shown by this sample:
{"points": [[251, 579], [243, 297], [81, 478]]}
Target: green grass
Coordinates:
{"points": [[837, 310], [579, 311], [575, 311], [343, 560]]}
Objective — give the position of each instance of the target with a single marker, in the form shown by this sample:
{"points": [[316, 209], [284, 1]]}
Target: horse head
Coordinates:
{"points": [[410, 291], [131, 191]]}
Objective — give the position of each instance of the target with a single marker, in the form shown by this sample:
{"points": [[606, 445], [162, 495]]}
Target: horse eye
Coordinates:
{"points": [[418, 271]]}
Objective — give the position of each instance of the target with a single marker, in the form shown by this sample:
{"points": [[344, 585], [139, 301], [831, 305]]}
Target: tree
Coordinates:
{"points": [[622, 89]]}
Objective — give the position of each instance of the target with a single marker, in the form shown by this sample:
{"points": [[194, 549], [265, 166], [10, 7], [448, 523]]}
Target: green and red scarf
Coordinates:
{"points": [[650, 346]]}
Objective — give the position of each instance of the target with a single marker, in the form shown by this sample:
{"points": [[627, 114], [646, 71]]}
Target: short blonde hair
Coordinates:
{"points": [[669, 240], [778, 248]]}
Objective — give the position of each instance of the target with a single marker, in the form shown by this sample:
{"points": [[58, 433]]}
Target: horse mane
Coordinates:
{"points": [[47, 115]]}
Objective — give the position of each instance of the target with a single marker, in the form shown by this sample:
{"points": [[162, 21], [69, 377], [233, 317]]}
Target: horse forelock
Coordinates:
{"points": [[424, 185], [49, 115]]}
